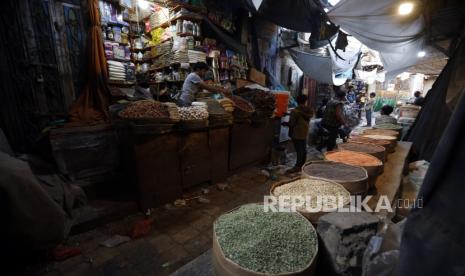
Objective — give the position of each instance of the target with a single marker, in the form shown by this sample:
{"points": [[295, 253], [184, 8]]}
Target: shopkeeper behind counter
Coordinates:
{"points": [[194, 84]]}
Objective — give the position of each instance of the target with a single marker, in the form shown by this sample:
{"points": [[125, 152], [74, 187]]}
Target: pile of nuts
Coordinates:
{"points": [[145, 110], [192, 113]]}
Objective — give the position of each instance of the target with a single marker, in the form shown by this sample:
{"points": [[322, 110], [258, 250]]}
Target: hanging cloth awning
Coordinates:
{"points": [[376, 24], [318, 67], [328, 68], [92, 104], [298, 15]]}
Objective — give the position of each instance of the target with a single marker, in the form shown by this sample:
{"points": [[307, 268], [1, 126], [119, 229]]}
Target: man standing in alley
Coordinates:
{"points": [[333, 119], [299, 123], [370, 102]]}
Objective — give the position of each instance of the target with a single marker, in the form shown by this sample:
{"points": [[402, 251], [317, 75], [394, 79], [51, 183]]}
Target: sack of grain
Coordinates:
{"points": [[386, 132], [377, 151], [373, 165], [314, 188], [353, 178], [364, 140], [248, 241]]}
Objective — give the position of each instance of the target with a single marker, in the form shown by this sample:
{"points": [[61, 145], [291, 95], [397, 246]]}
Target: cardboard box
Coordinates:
{"points": [[241, 83], [257, 77]]}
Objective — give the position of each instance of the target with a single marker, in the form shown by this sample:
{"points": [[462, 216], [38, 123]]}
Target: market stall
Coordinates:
{"points": [[150, 49]]}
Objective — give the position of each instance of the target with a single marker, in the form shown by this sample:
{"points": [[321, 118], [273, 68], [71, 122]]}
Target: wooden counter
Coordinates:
{"points": [[389, 182], [249, 144]]}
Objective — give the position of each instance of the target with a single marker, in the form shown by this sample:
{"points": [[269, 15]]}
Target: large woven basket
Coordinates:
{"points": [[356, 186], [373, 171], [311, 216], [375, 150], [223, 266]]}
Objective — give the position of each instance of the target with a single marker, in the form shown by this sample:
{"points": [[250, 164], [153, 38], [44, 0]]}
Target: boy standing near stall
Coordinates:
{"points": [[298, 131], [369, 108]]}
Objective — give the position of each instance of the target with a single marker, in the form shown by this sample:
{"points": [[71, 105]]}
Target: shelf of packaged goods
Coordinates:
{"points": [[140, 21], [172, 21], [120, 43], [158, 68], [119, 24], [120, 83], [134, 35], [176, 6], [145, 60], [140, 49], [119, 59], [187, 34]]}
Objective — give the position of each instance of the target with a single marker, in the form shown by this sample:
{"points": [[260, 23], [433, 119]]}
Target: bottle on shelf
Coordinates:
{"points": [[110, 35], [104, 33]]}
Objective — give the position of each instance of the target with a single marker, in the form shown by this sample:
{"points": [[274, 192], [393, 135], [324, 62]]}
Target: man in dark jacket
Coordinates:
{"points": [[298, 131], [333, 119]]}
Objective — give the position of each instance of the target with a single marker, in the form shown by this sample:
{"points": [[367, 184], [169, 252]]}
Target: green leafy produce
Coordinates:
{"points": [[266, 242]]}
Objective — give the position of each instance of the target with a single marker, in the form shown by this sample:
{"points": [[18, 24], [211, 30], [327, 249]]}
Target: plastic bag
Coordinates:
{"points": [[418, 170], [382, 253]]}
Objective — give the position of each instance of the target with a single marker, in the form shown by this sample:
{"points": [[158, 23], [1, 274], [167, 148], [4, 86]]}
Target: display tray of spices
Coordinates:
{"points": [[242, 108], [386, 132], [364, 140], [377, 151], [146, 112], [250, 241], [263, 101], [313, 187], [353, 178], [373, 165]]}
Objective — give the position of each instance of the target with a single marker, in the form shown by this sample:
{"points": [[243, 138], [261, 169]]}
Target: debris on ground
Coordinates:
{"points": [[205, 191], [61, 252], [222, 186], [180, 202], [169, 206], [141, 228], [203, 200], [115, 241], [148, 213], [265, 173]]}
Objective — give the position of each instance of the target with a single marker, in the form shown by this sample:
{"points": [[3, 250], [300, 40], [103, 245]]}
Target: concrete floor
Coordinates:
{"points": [[178, 234]]}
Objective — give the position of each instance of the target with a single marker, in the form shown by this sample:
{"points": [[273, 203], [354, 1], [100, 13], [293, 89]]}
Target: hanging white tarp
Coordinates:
{"points": [[345, 60], [316, 66], [323, 65], [377, 25]]}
